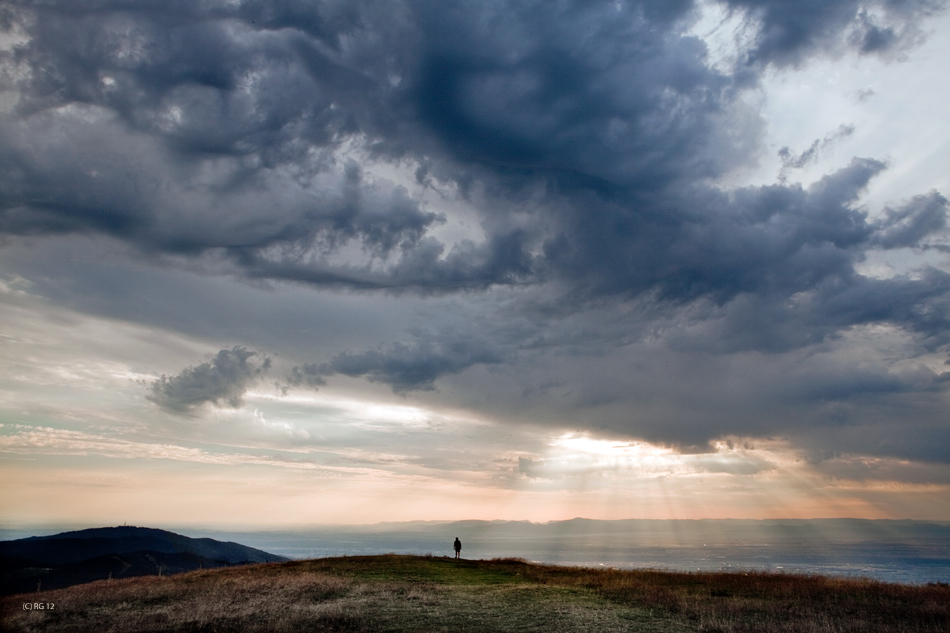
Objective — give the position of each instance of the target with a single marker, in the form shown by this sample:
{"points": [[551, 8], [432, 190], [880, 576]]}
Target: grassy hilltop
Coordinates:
{"points": [[430, 594]]}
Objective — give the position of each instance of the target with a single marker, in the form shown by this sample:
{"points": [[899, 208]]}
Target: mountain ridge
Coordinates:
{"points": [[80, 556]]}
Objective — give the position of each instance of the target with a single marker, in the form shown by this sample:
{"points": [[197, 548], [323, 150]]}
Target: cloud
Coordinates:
{"points": [[551, 177], [49, 441], [790, 31], [790, 161], [907, 226], [707, 242], [221, 381], [405, 367], [195, 155], [308, 375], [858, 468], [602, 104]]}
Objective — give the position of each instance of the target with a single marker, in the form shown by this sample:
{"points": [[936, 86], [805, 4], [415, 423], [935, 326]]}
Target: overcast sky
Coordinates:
{"points": [[284, 262]]}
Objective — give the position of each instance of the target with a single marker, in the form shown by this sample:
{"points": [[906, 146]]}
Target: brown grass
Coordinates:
{"points": [[758, 601], [409, 593]]}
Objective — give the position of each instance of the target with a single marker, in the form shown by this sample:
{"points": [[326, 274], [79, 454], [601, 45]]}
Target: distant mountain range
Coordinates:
{"points": [[72, 558]]}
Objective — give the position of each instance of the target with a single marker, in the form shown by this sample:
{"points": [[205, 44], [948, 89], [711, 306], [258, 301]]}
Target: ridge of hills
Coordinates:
{"points": [[71, 558]]}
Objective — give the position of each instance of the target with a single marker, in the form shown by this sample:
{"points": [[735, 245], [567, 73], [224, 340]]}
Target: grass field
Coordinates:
{"points": [[431, 594]]}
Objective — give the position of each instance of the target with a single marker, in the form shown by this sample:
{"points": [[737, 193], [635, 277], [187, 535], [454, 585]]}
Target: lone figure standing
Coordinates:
{"points": [[458, 548]]}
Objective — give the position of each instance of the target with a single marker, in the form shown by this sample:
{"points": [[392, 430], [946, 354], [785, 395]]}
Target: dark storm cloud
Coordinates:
{"points": [[404, 367], [426, 267], [210, 129], [185, 133], [222, 381], [124, 190], [791, 30], [768, 268], [707, 243], [240, 138], [909, 225]]}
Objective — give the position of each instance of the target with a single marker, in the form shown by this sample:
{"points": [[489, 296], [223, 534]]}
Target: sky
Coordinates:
{"points": [[276, 263]]}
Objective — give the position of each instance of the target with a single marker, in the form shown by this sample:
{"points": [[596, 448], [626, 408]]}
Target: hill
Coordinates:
{"points": [[392, 593], [71, 558]]}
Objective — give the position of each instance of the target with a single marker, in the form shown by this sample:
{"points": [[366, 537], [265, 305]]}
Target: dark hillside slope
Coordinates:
{"points": [[82, 556]]}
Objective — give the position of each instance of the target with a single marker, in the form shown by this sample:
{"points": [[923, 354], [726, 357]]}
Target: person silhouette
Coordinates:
{"points": [[458, 548]]}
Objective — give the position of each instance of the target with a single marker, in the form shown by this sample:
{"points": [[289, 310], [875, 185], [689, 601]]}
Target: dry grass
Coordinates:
{"points": [[408, 593], [787, 603]]}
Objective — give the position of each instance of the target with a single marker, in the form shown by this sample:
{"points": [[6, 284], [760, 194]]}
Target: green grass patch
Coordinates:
{"points": [[425, 569]]}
